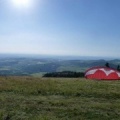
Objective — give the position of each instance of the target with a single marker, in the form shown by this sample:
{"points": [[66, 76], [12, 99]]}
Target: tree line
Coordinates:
{"points": [[65, 74]]}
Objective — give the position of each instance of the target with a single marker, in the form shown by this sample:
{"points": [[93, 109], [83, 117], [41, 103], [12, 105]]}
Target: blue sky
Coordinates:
{"points": [[61, 27]]}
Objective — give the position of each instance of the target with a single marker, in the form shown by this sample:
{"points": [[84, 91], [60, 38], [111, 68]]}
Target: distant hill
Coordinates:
{"points": [[30, 66]]}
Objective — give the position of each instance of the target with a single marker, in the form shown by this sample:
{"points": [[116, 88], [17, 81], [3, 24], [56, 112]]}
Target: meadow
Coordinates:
{"points": [[32, 98]]}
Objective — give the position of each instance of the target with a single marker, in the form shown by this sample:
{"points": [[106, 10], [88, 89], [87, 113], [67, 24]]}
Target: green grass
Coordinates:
{"points": [[40, 74], [30, 98]]}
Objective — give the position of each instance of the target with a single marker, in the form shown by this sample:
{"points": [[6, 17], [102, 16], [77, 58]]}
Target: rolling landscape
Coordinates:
{"points": [[37, 66], [26, 95]]}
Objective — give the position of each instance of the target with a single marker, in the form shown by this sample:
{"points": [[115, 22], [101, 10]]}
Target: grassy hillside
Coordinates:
{"points": [[30, 98]]}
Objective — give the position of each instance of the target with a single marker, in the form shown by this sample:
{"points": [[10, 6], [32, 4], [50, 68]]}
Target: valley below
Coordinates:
{"points": [[31, 66]]}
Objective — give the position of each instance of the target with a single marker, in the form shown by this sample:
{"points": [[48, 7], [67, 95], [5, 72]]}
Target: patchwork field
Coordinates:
{"points": [[26, 66], [30, 98]]}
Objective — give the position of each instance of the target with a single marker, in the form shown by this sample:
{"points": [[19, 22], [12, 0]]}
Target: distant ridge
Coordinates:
{"points": [[61, 57]]}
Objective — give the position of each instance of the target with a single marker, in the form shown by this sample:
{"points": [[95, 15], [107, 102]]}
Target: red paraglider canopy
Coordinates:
{"points": [[102, 73]]}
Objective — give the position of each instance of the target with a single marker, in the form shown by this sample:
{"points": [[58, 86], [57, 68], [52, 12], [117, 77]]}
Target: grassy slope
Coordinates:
{"points": [[29, 98]]}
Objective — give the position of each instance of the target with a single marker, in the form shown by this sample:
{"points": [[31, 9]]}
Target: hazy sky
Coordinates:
{"points": [[60, 27]]}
